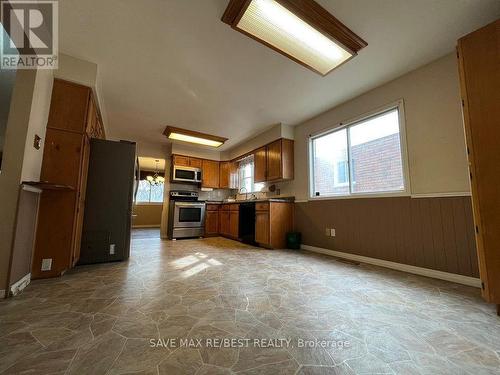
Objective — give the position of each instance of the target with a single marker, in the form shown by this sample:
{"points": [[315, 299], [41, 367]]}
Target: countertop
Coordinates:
{"points": [[272, 199]]}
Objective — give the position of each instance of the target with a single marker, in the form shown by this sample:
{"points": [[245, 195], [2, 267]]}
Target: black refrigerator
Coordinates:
{"points": [[108, 202]]}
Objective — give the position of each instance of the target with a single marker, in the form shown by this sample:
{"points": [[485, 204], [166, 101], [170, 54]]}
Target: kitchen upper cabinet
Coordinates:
{"points": [[195, 163], [274, 162], [280, 160], [228, 175], [210, 174], [260, 164], [478, 55], [69, 107], [224, 174], [180, 160]]}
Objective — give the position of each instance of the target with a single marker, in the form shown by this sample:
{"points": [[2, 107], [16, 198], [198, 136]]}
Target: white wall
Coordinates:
{"points": [[40, 106], [434, 128], [28, 115]]}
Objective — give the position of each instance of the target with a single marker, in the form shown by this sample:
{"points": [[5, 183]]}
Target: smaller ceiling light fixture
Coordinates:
{"points": [[302, 30], [193, 137], [155, 179]]}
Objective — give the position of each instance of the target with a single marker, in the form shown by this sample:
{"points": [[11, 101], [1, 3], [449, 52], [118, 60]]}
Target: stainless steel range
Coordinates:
{"points": [[186, 215]]}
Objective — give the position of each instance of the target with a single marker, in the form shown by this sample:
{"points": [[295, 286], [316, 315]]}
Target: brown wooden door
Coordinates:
{"points": [[234, 223], [210, 174], [61, 158], [195, 163], [224, 170], [68, 108], [480, 82], [212, 222], [260, 164], [179, 160], [274, 166], [224, 223], [262, 227]]}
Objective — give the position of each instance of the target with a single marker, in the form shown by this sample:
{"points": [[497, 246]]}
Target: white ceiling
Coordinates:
{"points": [[173, 62]]}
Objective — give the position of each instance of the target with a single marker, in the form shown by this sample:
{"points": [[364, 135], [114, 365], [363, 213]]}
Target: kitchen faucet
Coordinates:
{"points": [[246, 192]]}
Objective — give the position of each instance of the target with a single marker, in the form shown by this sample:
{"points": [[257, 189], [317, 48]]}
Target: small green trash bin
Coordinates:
{"points": [[293, 240]]}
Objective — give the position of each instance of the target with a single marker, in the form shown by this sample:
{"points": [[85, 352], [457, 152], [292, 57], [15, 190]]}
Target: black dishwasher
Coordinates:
{"points": [[247, 223]]}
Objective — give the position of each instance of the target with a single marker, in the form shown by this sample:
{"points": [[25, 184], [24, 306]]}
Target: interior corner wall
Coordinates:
{"points": [[434, 128], [432, 231], [12, 164]]}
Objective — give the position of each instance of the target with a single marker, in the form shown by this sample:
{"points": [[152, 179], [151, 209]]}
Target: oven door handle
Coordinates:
{"points": [[183, 204]]}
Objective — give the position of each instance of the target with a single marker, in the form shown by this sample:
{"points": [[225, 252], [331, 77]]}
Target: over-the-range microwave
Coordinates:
{"points": [[186, 174]]}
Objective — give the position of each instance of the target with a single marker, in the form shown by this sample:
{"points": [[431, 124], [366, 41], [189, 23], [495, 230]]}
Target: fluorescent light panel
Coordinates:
{"points": [[272, 23], [192, 136], [192, 139]]}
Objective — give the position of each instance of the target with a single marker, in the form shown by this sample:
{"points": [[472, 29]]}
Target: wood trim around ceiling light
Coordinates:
{"points": [[171, 129], [309, 11]]}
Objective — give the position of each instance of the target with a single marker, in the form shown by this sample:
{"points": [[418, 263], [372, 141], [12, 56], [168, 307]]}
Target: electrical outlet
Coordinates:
{"points": [[112, 249], [327, 232], [332, 232], [46, 264]]}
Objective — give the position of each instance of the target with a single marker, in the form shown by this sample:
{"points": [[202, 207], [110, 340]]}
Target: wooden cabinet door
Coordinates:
{"points": [[212, 222], [68, 106], [182, 161], [224, 175], [262, 227], [195, 163], [234, 224], [224, 222], [61, 157], [233, 175], [260, 164], [478, 55], [274, 166], [210, 174]]}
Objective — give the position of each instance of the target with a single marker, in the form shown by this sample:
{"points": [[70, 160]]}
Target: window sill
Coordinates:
{"points": [[148, 204], [361, 196]]}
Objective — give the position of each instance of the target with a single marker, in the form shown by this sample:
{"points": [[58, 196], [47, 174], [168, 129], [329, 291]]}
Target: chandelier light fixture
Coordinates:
{"points": [[155, 179]]}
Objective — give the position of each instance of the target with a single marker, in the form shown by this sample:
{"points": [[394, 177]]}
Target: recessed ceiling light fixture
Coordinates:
{"points": [[192, 136], [300, 29]]}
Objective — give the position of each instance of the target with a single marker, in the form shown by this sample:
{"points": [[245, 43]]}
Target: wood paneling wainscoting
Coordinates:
{"points": [[435, 233]]}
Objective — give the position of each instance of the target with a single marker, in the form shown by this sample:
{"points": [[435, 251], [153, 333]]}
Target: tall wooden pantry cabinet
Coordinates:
{"points": [[73, 119], [479, 66]]}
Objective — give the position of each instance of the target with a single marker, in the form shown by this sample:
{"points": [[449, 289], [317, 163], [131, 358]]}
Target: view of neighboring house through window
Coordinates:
{"points": [[362, 157], [246, 182], [149, 193]]}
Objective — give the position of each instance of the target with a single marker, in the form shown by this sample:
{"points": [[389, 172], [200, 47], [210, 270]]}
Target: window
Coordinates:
{"points": [[363, 157], [148, 193], [246, 182]]}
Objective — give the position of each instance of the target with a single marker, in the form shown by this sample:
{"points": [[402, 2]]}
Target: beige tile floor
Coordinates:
{"points": [[101, 319]]}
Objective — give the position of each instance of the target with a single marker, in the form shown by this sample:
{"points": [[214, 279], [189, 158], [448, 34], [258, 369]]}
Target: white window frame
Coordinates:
{"points": [[399, 105], [149, 203]]}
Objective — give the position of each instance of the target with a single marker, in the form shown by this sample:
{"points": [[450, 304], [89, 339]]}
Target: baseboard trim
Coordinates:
{"points": [[145, 226], [18, 286], [459, 279]]}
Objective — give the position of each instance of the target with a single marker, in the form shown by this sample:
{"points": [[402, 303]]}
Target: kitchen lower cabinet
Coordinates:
{"points": [[262, 227], [273, 220], [224, 222], [234, 223], [212, 220]]}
